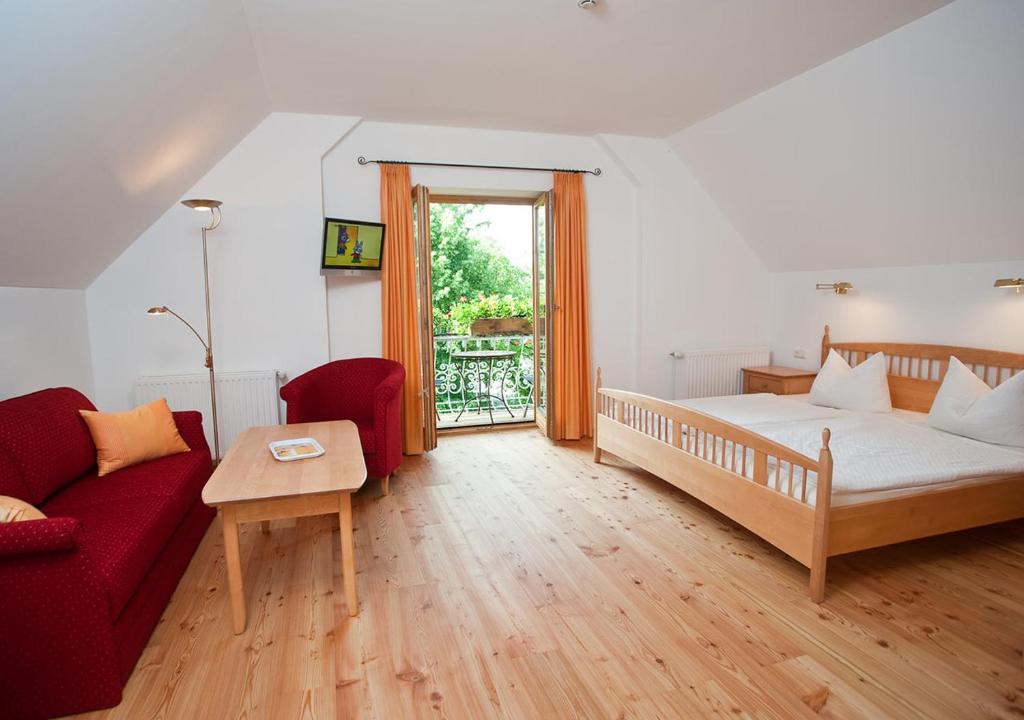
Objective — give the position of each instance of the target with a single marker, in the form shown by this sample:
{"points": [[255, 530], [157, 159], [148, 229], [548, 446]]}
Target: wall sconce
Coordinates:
{"points": [[839, 288], [1015, 283]]}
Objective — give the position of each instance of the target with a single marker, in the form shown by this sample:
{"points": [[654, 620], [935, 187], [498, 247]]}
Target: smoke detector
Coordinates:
{"points": [[586, 4]]}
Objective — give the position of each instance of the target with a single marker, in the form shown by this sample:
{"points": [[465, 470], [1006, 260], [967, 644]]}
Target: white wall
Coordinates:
{"points": [[352, 191], [659, 251], [44, 341], [699, 285], [942, 304], [267, 294], [667, 270], [905, 151]]}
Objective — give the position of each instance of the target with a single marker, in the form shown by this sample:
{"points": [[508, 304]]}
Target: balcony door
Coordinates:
{"points": [[421, 227], [484, 359], [543, 278]]}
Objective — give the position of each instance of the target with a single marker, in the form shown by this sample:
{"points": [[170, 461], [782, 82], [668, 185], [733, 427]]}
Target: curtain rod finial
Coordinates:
{"points": [[362, 160], [597, 171]]}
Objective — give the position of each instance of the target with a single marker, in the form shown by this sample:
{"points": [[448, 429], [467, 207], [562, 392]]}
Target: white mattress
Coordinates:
{"points": [[875, 455]]}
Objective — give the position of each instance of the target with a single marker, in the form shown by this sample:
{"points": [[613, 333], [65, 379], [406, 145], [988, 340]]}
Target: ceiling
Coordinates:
{"points": [[111, 110], [635, 67]]}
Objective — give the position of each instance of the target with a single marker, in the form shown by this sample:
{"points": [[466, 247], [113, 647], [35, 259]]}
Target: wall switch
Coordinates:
{"points": [[800, 353]]}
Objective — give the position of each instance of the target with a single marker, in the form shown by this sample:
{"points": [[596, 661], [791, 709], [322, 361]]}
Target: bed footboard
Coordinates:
{"points": [[756, 482]]}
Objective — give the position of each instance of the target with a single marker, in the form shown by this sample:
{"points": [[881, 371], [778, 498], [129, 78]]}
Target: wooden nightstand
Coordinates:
{"points": [[778, 380]]}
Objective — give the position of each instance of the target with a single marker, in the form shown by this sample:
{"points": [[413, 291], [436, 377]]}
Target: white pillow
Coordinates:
{"points": [[864, 388], [966, 405]]}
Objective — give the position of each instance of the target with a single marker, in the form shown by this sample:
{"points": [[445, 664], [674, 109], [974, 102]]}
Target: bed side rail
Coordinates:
{"points": [[730, 447], [738, 472]]}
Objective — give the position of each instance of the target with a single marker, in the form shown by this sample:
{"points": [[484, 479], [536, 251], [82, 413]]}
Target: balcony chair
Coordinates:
{"points": [[367, 391]]}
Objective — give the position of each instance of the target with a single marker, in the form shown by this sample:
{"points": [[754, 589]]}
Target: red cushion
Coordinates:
{"points": [[128, 516], [45, 442]]}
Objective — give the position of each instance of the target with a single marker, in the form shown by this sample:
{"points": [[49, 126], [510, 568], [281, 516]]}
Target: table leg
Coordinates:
{"points": [[348, 559], [490, 379], [501, 388], [465, 400], [234, 565]]}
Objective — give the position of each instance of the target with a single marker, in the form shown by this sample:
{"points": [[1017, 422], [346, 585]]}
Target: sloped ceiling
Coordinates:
{"points": [[906, 151], [635, 67], [111, 109]]}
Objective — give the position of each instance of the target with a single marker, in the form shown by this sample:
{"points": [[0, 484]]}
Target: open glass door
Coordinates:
{"points": [[421, 229], [543, 277]]}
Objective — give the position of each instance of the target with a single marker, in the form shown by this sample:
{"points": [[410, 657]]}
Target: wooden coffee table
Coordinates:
{"points": [[249, 485]]}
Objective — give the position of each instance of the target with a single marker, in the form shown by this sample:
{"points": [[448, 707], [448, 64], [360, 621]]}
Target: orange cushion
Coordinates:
{"points": [[128, 438]]}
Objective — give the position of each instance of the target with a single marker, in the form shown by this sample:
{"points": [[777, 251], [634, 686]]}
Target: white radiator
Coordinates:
{"points": [[709, 373], [244, 399]]}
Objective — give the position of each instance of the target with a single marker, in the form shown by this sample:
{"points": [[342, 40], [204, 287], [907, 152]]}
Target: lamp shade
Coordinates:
{"points": [[201, 204]]}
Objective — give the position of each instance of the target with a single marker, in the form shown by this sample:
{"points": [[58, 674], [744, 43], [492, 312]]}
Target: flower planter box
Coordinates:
{"points": [[501, 326]]}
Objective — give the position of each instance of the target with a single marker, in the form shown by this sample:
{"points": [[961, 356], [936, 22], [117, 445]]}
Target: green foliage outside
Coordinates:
{"points": [[471, 278], [462, 314]]}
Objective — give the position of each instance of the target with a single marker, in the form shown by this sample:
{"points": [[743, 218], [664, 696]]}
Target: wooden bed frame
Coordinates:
{"points": [[711, 459]]}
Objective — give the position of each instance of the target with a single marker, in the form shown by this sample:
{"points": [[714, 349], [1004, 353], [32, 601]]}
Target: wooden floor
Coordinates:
{"points": [[508, 578], [474, 418]]}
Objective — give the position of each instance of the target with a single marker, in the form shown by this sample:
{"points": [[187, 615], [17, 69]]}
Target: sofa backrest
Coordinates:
{"points": [[44, 443]]}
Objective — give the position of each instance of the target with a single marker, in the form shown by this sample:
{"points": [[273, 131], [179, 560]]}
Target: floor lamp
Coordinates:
{"points": [[212, 207]]}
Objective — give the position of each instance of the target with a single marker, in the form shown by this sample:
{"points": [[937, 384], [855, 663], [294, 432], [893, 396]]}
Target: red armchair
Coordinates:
{"points": [[84, 588], [367, 391]]}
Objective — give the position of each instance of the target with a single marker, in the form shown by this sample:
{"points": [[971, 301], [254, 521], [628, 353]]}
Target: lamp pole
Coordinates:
{"points": [[212, 207], [214, 222]]}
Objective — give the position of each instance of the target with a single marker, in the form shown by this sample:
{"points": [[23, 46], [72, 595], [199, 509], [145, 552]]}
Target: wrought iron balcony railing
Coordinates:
{"points": [[458, 381]]}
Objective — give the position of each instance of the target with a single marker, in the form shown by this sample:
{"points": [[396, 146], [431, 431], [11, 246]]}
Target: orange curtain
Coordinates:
{"points": [[399, 318], [571, 342]]}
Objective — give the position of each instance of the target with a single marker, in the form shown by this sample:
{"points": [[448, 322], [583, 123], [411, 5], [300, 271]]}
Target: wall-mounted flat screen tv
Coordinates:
{"points": [[352, 247]]}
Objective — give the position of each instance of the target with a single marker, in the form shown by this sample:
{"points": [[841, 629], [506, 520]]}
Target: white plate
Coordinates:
{"points": [[288, 450]]}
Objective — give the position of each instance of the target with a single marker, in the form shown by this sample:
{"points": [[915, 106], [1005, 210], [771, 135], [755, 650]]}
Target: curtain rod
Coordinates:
{"points": [[363, 161]]}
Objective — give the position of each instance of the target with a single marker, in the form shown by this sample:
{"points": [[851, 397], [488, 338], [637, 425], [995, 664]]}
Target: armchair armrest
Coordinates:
{"points": [[388, 389], [35, 537], [317, 395], [387, 420], [190, 427]]}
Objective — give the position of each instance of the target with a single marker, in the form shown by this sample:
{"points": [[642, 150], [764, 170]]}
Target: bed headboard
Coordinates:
{"points": [[916, 371]]}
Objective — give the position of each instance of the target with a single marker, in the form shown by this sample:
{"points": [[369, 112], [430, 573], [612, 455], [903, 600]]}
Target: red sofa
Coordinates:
{"points": [[367, 391], [81, 591]]}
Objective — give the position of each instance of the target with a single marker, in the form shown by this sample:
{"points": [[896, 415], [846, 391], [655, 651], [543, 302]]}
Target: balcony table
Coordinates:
{"points": [[484, 358]]}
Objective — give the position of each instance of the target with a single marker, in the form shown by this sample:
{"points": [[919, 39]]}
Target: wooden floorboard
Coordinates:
{"points": [[507, 577]]}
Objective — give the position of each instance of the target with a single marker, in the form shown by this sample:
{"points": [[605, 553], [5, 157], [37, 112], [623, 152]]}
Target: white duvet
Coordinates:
{"points": [[871, 451]]}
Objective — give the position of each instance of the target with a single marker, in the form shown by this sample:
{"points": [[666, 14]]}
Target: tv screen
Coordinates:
{"points": [[351, 246]]}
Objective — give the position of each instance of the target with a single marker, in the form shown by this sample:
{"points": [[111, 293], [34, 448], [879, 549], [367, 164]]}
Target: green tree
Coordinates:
{"points": [[466, 268]]}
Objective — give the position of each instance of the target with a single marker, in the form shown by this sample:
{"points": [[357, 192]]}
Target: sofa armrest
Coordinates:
{"points": [[190, 427], [59, 654], [34, 537]]}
